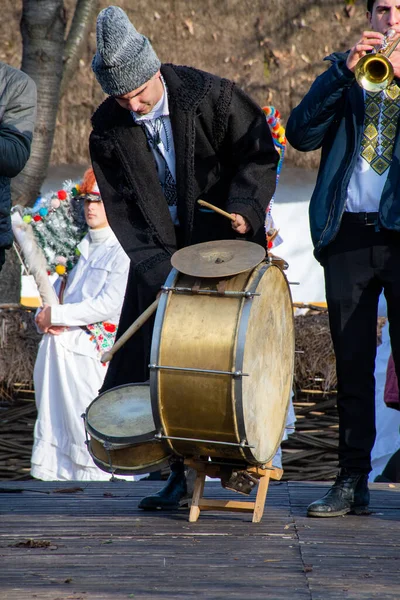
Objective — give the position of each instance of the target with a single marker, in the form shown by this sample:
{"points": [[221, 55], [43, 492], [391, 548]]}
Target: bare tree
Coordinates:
{"points": [[50, 60], [83, 19]]}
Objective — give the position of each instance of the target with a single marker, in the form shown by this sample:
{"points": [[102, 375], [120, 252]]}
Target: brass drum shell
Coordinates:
{"points": [[133, 459]]}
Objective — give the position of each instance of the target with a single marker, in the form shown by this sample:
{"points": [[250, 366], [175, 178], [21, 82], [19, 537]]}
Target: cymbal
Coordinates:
{"points": [[218, 259]]}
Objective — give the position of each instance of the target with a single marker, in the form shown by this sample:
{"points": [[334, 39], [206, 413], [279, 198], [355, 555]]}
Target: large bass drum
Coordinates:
{"points": [[222, 364]]}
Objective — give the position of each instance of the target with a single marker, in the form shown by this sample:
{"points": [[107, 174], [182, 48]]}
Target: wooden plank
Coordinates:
{"points": [[229, 505], [107, 548], [102, 547]]}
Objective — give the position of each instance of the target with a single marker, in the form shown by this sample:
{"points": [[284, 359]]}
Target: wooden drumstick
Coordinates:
{"points": [[216, 209], [107, 356]]}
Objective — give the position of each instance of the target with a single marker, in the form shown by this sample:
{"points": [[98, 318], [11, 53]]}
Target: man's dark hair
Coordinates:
{"points": [[370, 5]]}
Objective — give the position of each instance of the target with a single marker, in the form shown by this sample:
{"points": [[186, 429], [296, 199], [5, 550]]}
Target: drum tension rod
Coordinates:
{"points": [[242, 444], [188, 290], [107, 447], [83, 416], [191, 369]]}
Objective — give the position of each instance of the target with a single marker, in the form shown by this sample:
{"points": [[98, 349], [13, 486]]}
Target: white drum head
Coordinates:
{"points": [[122, 414], [269, 360]]}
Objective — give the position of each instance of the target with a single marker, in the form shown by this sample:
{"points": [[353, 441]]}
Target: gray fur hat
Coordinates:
{"points": [[125, 59]]}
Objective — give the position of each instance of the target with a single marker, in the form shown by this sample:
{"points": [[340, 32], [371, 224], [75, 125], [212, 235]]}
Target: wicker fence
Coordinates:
{"points": [[310, 453]]}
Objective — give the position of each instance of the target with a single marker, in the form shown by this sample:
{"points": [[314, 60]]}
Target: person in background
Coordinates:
{"points": [[68, 371], [17, 121], [355, 226], [387, 420], [165, 137]]}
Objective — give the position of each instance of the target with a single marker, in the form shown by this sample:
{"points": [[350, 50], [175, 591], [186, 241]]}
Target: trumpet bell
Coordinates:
{"points": [[374, 72]]}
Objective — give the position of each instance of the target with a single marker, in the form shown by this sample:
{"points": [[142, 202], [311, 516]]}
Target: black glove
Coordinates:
{"points": [[2, 257]]}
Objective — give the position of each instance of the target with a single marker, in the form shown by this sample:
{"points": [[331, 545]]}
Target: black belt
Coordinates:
{"points": [[361, 218]]}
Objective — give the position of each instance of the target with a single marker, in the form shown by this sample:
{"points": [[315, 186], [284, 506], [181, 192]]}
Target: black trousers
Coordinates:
{"points": [[361, 261]]}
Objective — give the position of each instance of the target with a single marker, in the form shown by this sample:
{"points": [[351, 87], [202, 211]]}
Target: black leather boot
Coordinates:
{"points": [[349, 493], [170, 496]]}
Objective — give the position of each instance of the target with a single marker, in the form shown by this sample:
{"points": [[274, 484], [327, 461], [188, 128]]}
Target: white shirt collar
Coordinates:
{"points": [[161, 109], [107, 232]]}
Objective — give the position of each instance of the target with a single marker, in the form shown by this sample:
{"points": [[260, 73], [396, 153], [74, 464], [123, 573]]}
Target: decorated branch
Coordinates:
{"points": [[48, 235], [278, 134]]}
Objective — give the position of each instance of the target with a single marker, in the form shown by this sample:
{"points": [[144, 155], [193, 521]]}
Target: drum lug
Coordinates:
{"points": [[237, 374]]}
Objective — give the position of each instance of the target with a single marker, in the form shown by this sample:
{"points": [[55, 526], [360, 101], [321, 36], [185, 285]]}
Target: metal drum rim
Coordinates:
{"points": [[155, 353], [239, 358], [238, 349]]}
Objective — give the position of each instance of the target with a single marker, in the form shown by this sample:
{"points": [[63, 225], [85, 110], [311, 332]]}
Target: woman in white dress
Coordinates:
{"points": [[68, 371]]}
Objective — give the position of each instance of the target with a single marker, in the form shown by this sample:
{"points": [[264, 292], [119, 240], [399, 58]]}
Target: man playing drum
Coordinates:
{"points": [[165, 137]]}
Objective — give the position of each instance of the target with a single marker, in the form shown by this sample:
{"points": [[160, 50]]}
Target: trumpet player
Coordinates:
{"points": [[355, 227]]}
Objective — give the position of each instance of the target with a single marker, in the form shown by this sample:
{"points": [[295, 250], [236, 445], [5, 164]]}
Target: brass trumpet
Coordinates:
{"points": [[374, 72]]}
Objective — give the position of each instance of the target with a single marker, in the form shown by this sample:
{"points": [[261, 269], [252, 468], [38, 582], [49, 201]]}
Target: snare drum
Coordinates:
{"points": [[122, 432]]}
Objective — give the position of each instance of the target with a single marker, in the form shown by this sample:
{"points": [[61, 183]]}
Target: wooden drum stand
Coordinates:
{"points": [[208, 469]]}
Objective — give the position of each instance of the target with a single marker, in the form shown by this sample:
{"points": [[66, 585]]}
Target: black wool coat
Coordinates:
{"points": [[224, 154]]}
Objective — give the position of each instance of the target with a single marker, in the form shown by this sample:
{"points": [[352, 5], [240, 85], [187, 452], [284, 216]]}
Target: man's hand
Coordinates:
{"points": [[395, 60], [368, 41], [43, 319], [240, 224], [57, 329]]}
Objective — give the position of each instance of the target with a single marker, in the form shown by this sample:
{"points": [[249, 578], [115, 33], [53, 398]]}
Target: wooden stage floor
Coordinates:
{"points": [[96, 544]]}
